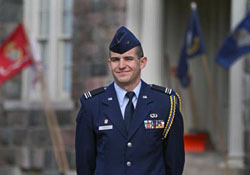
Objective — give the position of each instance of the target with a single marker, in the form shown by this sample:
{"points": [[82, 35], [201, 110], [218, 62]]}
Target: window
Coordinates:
{"points": [[66, 46], [50, 23]]}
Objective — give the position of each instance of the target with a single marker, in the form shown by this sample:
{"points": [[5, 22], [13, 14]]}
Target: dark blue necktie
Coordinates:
{"points": [[129, 110]]}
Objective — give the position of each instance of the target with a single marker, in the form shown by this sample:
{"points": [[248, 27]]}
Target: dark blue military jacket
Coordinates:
{"points": [[104, 147]]}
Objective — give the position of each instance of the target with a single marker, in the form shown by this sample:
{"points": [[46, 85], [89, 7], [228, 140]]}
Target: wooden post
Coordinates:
{"points": [[195, 117], [54, 129], [50, 114], [56, 138]]}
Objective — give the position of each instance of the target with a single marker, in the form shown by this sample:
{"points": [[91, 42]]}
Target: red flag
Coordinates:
{"points": [[15, 54]]}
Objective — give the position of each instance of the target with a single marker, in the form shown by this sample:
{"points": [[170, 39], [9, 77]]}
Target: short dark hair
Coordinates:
{"points": [[139, 52]]}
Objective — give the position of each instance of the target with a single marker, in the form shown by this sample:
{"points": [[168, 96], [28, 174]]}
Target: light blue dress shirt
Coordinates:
{"points": [[123, 100]]}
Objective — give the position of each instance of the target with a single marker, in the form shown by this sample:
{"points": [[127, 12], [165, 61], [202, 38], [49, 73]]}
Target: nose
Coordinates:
{"points": [[122, 64]]}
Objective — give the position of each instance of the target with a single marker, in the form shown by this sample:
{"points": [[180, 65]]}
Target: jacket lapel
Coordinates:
{"points": [[142, 109], [112, 110]]}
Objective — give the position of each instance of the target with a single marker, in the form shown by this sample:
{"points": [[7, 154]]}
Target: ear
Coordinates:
{"points": [[109, 63], [143, 62]]}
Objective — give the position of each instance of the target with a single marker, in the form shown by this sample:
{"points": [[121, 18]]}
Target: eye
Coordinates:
{"points": [[114, 59], [129, 58]]}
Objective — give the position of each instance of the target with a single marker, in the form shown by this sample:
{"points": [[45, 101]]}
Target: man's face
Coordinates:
{"points": [[126, 67]]}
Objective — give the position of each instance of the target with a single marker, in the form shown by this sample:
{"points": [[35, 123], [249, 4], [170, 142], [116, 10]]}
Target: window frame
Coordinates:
{"points": [[55, 67]]}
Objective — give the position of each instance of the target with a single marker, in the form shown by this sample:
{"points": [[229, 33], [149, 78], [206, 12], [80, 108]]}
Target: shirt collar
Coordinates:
{"points": [[121, 92]]}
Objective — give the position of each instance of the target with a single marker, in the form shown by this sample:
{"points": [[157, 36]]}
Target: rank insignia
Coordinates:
{"points": [[154, 124]]}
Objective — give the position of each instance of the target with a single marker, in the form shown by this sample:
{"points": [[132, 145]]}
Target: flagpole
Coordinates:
{"points": [[53, 125], [214, 105], [217, 120], [193, 107]]}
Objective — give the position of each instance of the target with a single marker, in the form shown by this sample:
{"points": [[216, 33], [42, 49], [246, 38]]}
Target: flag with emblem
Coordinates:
{"points": [[15, 54], [236, 44], [193, 46]]}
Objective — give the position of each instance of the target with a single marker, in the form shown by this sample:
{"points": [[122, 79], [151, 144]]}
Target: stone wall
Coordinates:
{"points": [[25, 141], [25, 144], [94, 25]]}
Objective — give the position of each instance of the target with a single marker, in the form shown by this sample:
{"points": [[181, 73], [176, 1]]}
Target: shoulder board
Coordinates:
{"points": [[168, 91], [94, 92], [162, 89]]}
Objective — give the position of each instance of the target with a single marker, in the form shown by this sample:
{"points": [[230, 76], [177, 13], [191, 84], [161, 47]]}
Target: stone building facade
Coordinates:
{"points": [[25, 143]]}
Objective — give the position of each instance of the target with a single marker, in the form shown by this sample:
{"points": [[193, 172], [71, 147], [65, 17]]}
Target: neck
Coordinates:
{"points": [[128, 87]]}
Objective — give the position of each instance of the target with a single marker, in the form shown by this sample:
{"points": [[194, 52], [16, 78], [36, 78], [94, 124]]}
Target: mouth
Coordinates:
{"points": [[122, 72]]}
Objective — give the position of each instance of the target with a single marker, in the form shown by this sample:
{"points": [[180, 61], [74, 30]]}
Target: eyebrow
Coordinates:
{"points": [[114, 58], [129, 57]]}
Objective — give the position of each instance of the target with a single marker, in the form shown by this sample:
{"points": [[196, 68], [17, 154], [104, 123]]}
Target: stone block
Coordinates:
{"points": [[31, 158], [71, 159], [39, 137], [68, 136], [10, 171], [23, 158], [94, 82], [49, 160], [118, 4], [8, 156], [36, 119], [11, 11], [37, 157], [98, 70], [98, 6], [5, 137], [119, 19], [3, 120], [70, 172], [12, 87], [20, 137], [51, 172], [64, 118], [95, 19], [17, 119]]}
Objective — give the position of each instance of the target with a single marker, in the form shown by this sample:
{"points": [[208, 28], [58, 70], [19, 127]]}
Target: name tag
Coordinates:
{"points": [[106, 127]]}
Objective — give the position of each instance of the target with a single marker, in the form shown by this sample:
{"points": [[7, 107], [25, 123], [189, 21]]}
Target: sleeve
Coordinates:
{"points": [[85, 142], [174, 153]]}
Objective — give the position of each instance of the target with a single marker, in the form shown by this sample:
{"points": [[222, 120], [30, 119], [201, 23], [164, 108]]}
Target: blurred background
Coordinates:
{"points": [[72, 39]]}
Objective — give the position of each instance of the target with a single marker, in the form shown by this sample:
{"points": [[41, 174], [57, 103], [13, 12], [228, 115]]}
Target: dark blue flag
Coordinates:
{"points": [[193, 46], [236, 44]]}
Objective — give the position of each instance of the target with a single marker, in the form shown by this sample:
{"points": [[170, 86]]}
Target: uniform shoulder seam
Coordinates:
{"points": [[92, 93], [162, 89]]}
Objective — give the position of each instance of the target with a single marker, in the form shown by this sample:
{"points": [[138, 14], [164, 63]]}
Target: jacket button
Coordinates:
{"points": [[129, 163], [129, 144]]}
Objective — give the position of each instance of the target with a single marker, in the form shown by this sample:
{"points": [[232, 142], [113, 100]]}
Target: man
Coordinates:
{"points": [[129, 127]]}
